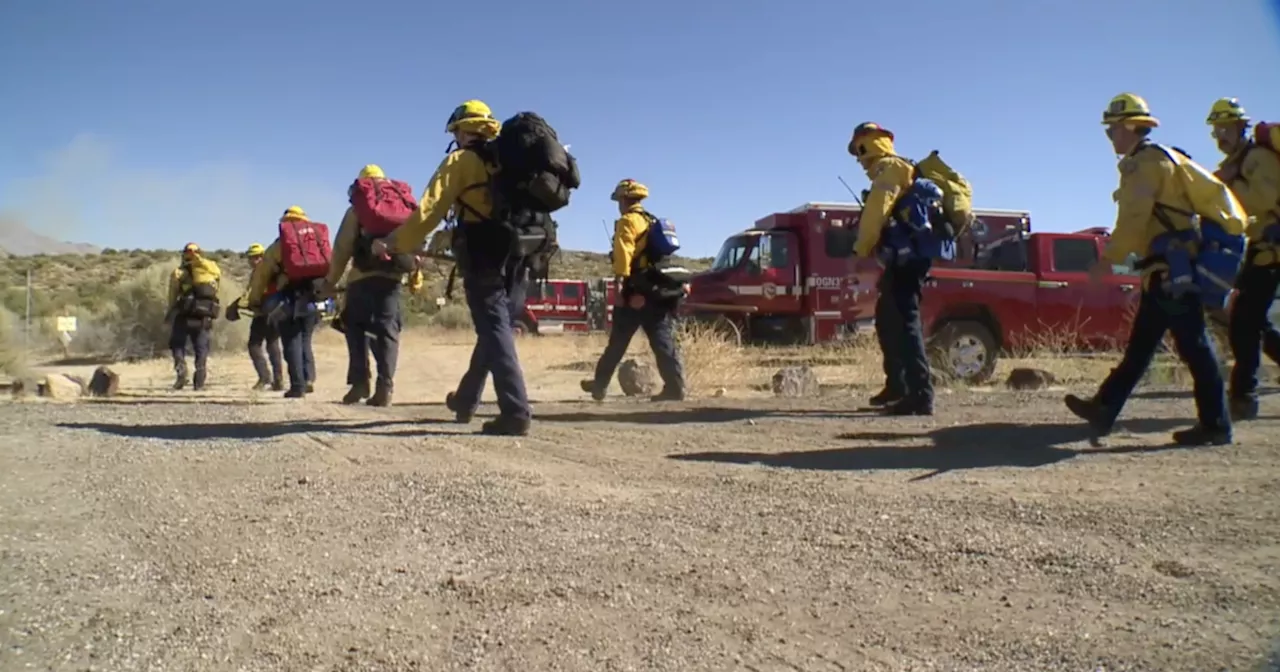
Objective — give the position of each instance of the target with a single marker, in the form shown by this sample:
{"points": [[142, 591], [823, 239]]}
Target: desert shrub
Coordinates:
{"points": [[131, 324], [13, 353], [452, 316]]}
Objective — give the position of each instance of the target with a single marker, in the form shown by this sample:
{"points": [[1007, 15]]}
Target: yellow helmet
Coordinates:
{"points": [[866, 130], [256, 250], [1226, 111], [372, 170], [473, 116], [294, 212], [629, 190], [1129, 108], [191, 248]]}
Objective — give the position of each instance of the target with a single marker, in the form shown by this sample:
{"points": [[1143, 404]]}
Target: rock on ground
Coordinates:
{"points": [[796, 381], [61, 387], [105, 383], [636, 378], [1029, 379]]}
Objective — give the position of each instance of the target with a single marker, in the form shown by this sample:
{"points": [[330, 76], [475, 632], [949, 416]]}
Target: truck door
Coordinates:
{"points": [[1072, 309], [774, 266]]}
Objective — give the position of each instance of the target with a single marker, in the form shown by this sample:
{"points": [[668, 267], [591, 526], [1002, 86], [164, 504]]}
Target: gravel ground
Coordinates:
{"points": [[169, 532]]}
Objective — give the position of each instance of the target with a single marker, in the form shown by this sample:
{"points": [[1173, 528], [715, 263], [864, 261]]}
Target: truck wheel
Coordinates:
{"points": [[728, 330], [523, 327], [965, 351]]}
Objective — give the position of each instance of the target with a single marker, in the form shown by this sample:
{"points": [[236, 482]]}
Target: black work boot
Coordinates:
{"points": [[1243, 408], [277, 385], [1091, 412], [505, 425], [198, 382], [296, 393], [356, 393], [381, 396], [1201, 435], [461, 415], [589, 386], [668, 395], [261, 385], [179, 375], [909, 405], [885, 397]]}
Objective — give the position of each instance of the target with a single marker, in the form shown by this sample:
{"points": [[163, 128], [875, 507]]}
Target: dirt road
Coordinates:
{"points": [[227, 531]]}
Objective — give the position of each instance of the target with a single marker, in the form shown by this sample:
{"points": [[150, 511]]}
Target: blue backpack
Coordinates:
{"points": [[918, 228], [661, 240]]}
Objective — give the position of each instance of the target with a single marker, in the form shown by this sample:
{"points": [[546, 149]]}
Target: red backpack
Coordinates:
{"points": [[382, 205], [1267, 134], [304, 249]]}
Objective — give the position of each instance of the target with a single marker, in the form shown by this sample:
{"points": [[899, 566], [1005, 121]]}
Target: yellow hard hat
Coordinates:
{"points": [[294, 212], [191, 248], [1226, 111], [372, 170], [473, 116], [256, 250], [1129, 108], [629, 190]]}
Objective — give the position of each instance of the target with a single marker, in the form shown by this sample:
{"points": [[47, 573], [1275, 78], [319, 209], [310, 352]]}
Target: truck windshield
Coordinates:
{"points": [[733, 251]]}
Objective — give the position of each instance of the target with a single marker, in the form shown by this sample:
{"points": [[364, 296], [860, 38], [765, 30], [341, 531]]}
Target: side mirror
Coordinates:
{"points": [[839, 242]]}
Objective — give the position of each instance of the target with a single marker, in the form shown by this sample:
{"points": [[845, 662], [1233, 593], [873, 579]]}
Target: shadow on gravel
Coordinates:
{"points": [[262, 430], [954, 448], [673, 416]]}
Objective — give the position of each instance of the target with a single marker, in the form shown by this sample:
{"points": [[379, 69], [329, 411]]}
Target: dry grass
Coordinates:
{"points": [[13, 353]]}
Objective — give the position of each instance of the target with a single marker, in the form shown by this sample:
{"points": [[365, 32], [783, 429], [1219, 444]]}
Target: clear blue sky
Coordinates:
{"points": [[147, 124]]}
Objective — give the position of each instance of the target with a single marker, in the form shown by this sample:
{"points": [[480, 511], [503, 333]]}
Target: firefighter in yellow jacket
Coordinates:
{"points": [[264, 339], [637, 308], [898, 324], [296, 326], [1150, 190], [371, 318], [460, 184], [193, 306], [1253, 173]]}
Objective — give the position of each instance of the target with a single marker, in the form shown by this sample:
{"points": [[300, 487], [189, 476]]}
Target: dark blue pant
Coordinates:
{"points": [[656, 322], [1158, 312], [199, 333], [295, 333], [1250, 329], [889, 336], [264, 345], [490, 301], [372, 321], [904, 285]]}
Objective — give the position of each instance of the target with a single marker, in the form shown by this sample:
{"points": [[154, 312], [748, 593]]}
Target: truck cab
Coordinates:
{"points": [[789, 279]]}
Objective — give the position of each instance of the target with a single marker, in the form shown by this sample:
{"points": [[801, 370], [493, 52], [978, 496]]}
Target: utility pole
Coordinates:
{"points": [[26, 331]]}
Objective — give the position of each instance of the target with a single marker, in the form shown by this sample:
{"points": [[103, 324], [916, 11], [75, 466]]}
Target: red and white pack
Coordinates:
{"points": [[382, 205], [1267, 134], [304, 249]]}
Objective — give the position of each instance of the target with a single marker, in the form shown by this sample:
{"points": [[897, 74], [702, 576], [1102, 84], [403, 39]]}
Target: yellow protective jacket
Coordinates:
{"points": [[344, 245], [629, 241], [459, 183], [181, 280], [267, 277], [1257, 187], [1147, 177], [890, 177]]}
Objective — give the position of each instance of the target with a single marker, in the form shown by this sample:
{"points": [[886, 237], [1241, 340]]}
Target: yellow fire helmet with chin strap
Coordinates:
{"points": [[473, 116], [255, 250], [629, 190], [1226, 111], [294, 212], [373, 171], [1129, 109]]}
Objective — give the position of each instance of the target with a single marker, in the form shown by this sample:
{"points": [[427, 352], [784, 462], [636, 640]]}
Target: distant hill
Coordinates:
{"points": [[18, 240]]}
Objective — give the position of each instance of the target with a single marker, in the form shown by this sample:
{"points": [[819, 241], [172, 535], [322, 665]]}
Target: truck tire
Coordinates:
{"points": [[728, 330], [523, 327], [964, 350]]}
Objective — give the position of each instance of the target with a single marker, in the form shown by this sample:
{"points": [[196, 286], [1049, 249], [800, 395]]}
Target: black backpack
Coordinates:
{"points": [[535, 178]]}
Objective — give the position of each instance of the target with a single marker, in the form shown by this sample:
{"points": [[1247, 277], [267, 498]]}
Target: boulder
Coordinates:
{"points": [[105, 383], [796, 381], [636, 378], [1029, 379], [60, 387]]}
